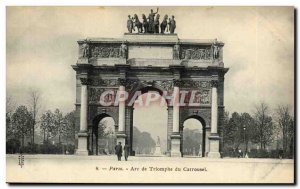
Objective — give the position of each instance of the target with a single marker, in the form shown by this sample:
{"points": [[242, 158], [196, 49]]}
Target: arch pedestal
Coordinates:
{"points": [[175, 145], [214, 147]]}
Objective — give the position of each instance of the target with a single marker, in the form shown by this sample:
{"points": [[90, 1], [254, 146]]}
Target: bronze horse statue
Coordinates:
{"points": [[164, 24], [138, 24]]}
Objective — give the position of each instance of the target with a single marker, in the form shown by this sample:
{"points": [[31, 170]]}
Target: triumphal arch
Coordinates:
{"points": [[188, 73]]}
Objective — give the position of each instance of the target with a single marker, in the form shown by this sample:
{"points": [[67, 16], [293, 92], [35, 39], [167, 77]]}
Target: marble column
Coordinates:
{"points": [[82, 148], [121, 136], [207, 135], [176, 110], [214, 139], [169, 129], [175, 137]]}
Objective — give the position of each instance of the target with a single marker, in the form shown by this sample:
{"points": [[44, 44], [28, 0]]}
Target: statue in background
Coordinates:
{"points": [[157, 151], [158, 141]]}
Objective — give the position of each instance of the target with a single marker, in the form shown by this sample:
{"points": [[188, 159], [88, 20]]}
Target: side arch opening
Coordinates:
{"points": [[103, 135], [193, 137]]}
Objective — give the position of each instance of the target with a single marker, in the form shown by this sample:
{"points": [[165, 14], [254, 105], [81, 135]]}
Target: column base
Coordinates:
{"points": [[175, 154], [214, 155], [82, 144], [82, 152], [157, 151], [214, 151], [175, 145]]}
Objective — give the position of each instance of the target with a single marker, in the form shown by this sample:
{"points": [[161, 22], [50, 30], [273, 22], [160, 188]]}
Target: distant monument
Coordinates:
{"points": [[200, 151], [157, 147]]}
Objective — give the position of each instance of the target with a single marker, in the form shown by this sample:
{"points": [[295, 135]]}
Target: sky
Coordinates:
{"points": [[41, 46]]}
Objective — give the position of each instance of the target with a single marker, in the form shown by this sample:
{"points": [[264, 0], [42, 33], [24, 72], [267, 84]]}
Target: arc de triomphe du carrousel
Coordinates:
{"points": [[111, 73]]}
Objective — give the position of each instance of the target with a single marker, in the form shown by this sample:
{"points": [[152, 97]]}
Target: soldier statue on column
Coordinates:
{"points": [[123, 50], [216, 49], [176, 51], [85, 49]]}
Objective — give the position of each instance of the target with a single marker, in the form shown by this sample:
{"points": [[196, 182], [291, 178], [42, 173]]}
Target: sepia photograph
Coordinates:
{"points": [[150, 94]]}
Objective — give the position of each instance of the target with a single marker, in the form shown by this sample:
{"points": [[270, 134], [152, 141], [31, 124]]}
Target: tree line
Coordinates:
{"points": [[264, 129], [23, 121]]}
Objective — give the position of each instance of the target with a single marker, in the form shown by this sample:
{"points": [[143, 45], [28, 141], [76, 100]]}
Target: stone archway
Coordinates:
{"points": [[203, 134], [143, 92], [93, 142]]}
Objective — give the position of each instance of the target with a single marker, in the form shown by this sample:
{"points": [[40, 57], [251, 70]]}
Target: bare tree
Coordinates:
{"points": [[10, 108], [69, 132], [48, 126], [35, 105], [291, 132], [263, 127], [225, 130], [284, 122], [10, 105], [59, 123]]}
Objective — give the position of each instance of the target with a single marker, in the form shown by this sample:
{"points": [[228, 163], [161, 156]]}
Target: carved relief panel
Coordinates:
{"points": [[196, 53], [195, 84], [166, 85], [201, 91], [95, 94], [104, 82], [105, 51]]}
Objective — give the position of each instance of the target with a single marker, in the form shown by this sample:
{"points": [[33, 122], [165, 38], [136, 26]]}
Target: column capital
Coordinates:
{"points": [[176, 82], [121, 134], [214, 83], [85, 81], [122, 81], [175, 135], [82, 133]]}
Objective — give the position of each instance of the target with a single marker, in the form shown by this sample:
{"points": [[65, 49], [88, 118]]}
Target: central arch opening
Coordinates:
{"points": [[150, 124]]}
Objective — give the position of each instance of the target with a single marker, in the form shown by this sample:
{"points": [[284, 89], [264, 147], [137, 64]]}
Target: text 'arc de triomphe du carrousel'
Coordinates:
{"points": [[111, 73]]}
